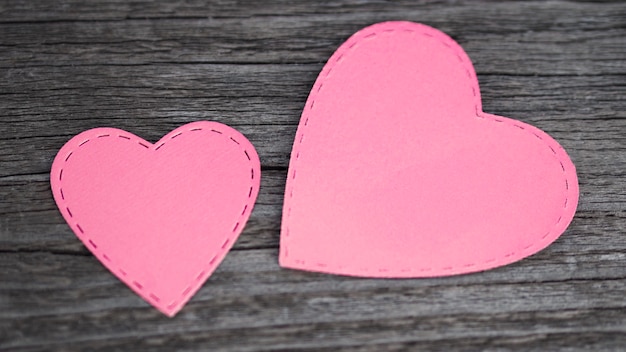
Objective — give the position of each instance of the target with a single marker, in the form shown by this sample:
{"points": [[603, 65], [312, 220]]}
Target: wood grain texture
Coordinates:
{"points": [[149, 67]]}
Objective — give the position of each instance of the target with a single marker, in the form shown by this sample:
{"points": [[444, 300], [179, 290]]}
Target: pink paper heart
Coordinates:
{"points": [[397, 172], [161, 217]]}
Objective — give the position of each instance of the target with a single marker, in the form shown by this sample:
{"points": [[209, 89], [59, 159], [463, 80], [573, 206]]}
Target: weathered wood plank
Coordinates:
{"points": [[29, 219], [82, 99], [550, 42], [250, 291], [93, 10]]}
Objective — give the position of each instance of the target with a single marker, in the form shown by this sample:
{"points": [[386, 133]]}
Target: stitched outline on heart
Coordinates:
{"points": [[195, 127], [430, 34]]}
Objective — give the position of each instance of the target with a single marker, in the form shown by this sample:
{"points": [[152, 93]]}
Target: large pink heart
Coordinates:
{"points": [[161, 217], [397, 172]]}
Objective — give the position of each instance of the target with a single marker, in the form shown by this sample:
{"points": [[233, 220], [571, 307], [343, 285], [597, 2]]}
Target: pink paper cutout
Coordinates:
{"points": [[397, 172], [161, 217]]}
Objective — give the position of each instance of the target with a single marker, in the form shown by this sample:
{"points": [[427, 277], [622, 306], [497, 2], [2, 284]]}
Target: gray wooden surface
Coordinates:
{"points": [[67, 66]]}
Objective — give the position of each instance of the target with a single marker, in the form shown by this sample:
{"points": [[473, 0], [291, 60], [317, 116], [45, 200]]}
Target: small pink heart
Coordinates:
{"points": [[397, 172], [161, 217]]}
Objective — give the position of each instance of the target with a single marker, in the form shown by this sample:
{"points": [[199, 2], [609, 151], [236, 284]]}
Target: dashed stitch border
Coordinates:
{"points": [[236, 229], [431, 34]]}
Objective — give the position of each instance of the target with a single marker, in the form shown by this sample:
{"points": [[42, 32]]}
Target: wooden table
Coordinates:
{"points": [[147, 67]]}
